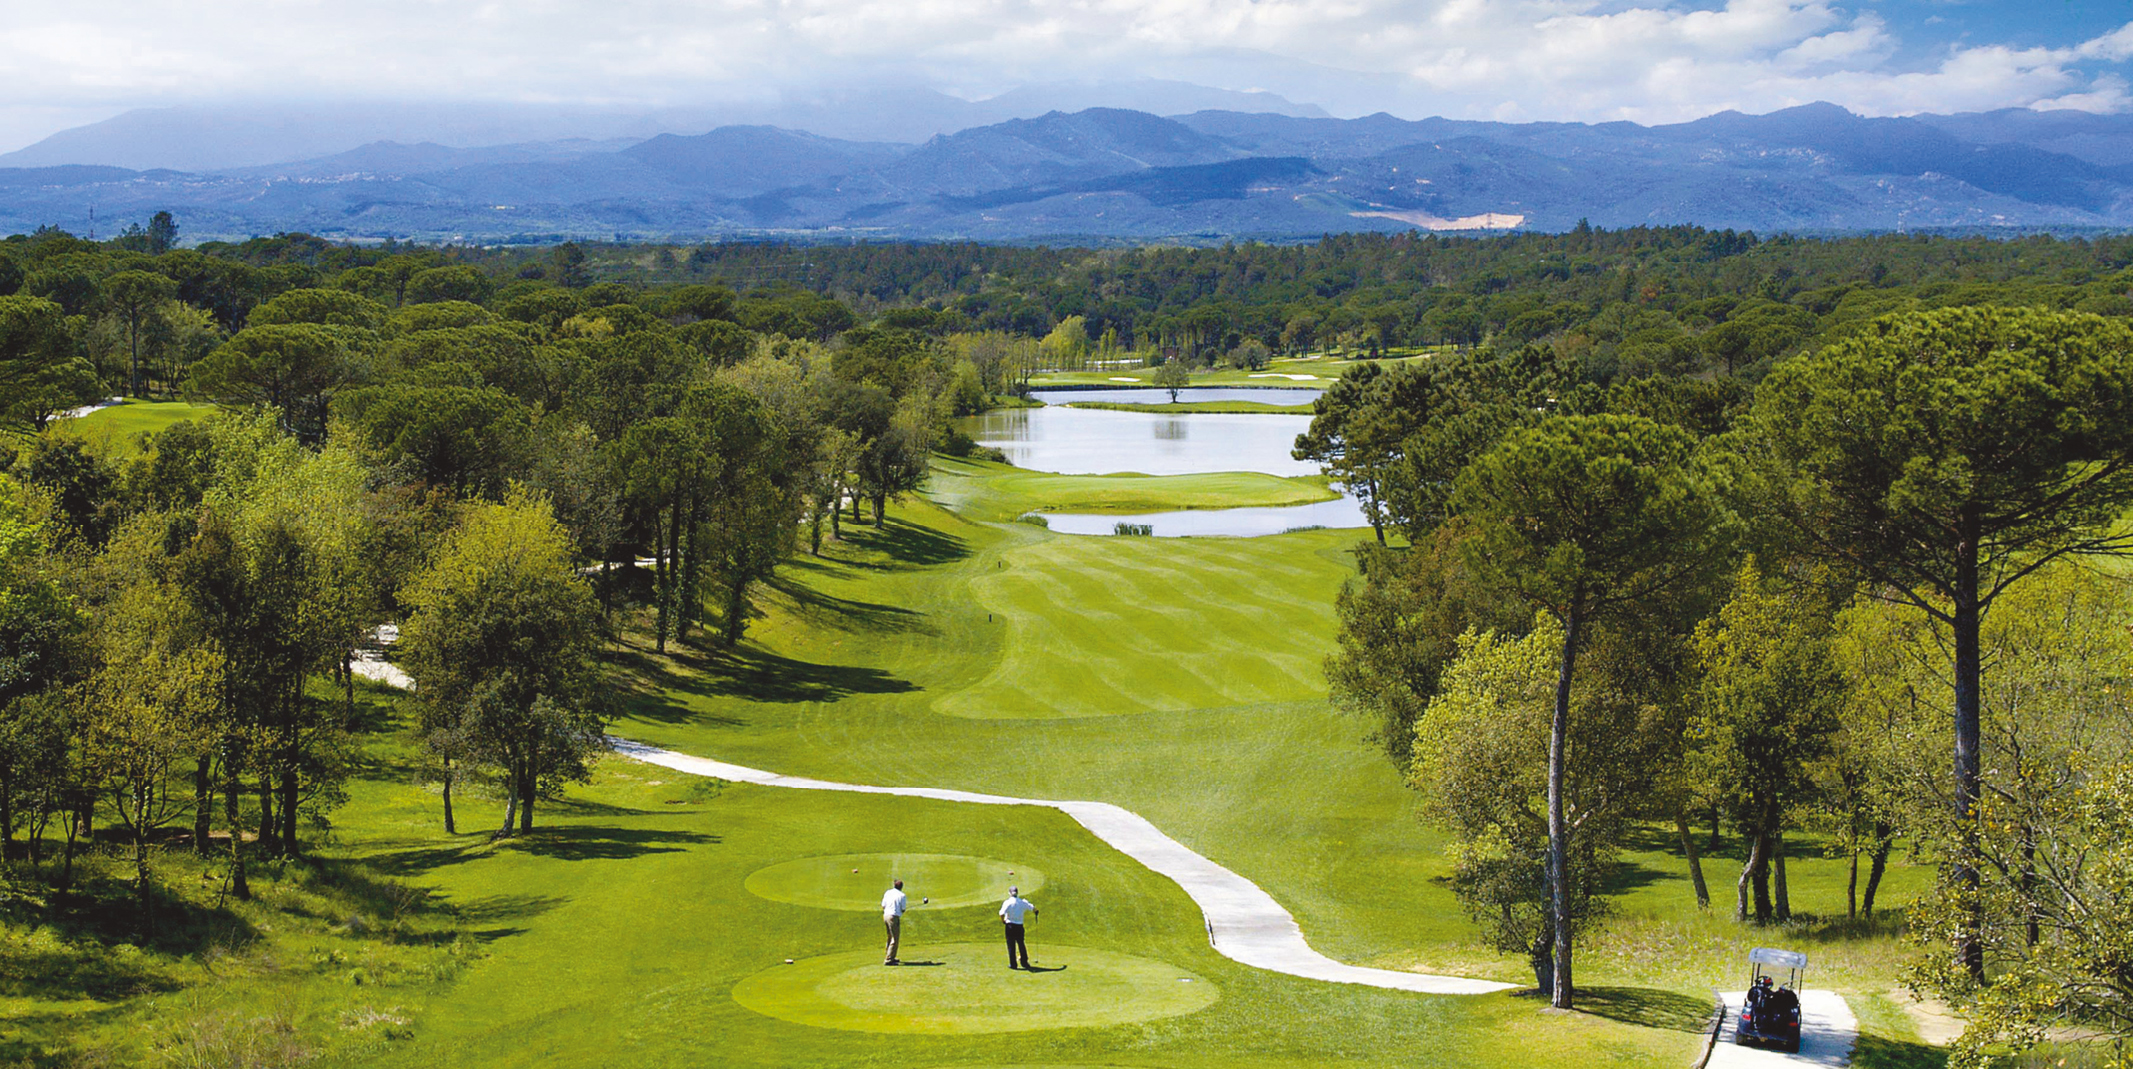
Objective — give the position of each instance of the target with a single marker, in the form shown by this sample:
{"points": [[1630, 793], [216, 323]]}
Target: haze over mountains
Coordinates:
{"points": [[1252, 166]]}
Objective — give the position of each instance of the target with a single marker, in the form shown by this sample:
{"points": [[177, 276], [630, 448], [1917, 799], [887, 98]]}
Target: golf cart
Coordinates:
{"points": [[1770, 1012]]}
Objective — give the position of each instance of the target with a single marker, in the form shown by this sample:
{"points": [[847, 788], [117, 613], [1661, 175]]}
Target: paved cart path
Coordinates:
{"points": [[1827, 1033], [1244, 923]]}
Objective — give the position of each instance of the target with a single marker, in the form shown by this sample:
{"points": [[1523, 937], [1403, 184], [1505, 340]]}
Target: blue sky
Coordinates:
{"points": [[1518, 60]]}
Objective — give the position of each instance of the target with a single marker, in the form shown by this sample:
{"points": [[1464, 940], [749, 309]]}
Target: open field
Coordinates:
{"points": [[1178, 678]]}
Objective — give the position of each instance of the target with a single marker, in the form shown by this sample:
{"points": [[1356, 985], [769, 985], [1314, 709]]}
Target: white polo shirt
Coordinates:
{"points": [[1015, 908], [892, 904]]}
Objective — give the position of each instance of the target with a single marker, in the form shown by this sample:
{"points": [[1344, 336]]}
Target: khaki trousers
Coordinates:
{"points": [[895, 925]]}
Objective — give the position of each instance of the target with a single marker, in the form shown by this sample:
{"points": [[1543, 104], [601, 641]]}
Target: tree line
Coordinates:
{"points": [[1859, 598], [499, 474]]}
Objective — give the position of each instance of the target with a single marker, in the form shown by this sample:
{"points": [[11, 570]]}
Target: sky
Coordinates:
{"points": [[1516, 60]]}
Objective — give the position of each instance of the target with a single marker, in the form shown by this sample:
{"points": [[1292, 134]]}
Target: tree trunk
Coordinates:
{"points": [[1851, 887], [232, 791], [1784, 896], [1879, 865], [1558, 825], [1711, 845], [1969, 946], [1688, 848], [1748, 873], [1543, 958], [525, 804], [269, 831], [267, 827], [7, 815], [881, 507], [450, 828], [510, 810], [348, 688], [203, 806], [288, 811], [74, 832], [1761, 884], [660, 577], [736, 611]]}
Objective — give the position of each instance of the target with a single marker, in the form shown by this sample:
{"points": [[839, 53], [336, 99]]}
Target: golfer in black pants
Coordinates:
{"points": [[1012, 911]]}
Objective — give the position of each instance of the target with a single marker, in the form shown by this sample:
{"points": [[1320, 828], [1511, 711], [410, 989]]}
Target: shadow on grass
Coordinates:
{"points": [[906, 545], [749, 675], [1647, 1007], [1880, 1052], [583, 842], [829, 612], [93, 924]]}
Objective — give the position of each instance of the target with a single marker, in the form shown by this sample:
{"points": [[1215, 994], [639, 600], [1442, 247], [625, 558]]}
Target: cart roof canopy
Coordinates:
{"points": [[1784, 959]]}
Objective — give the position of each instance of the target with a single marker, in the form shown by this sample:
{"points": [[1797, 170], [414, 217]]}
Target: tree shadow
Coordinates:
{"points": [[754, 675], [906, 545], [829, 612], [584, 842], [96, 922], [1647, 1007]]}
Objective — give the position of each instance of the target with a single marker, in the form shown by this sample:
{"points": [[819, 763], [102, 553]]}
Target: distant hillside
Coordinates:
{"points": [[1108, 173]]}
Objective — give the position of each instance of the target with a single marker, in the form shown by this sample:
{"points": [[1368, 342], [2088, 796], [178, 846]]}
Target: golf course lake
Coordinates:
{"points": [[1087, 441]]}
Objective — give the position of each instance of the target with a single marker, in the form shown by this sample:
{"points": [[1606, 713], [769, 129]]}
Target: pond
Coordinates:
{"points": [[1083, 441]]}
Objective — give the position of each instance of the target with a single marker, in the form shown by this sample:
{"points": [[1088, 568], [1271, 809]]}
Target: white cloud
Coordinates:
{"points": [[1646, 60]]}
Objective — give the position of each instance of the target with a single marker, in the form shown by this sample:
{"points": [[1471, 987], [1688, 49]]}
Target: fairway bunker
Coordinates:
{"points": [[966, 988], [950, 880]]}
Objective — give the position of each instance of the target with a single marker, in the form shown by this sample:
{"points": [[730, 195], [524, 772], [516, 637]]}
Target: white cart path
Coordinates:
{"points": [[1827, 1033], [1244, 923]]}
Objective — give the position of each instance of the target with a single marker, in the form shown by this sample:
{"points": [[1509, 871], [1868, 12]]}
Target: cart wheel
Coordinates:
{"points": [[1792, 1046], [1740, 1039]]}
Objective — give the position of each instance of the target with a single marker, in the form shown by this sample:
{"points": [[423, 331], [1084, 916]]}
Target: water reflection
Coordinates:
{"points": [[1086, 441], [1102, 442]]}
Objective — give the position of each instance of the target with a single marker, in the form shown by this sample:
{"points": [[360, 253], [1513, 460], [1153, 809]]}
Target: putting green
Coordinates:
{"points": [[966, 988], [856, 881]]}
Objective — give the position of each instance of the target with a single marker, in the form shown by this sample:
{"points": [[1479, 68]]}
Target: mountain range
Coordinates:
{"points": [[1124, 175]]}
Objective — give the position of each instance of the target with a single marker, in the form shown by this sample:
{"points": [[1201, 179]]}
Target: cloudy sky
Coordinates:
{"points": [[1645, 60]]}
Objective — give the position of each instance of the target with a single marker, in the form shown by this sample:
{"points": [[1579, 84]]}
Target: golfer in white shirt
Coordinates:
{"points": [[1012, 911], [892, 916]]}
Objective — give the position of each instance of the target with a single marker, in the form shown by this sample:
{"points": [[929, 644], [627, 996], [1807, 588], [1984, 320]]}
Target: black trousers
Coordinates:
{"points": [[1015, 946]]}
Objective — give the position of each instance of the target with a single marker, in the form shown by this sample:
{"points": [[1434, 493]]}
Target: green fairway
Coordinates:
{"points": [[1102, 627], [117, 429], [988, 491], [856, 881], [649, 918], [967, 988]]}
